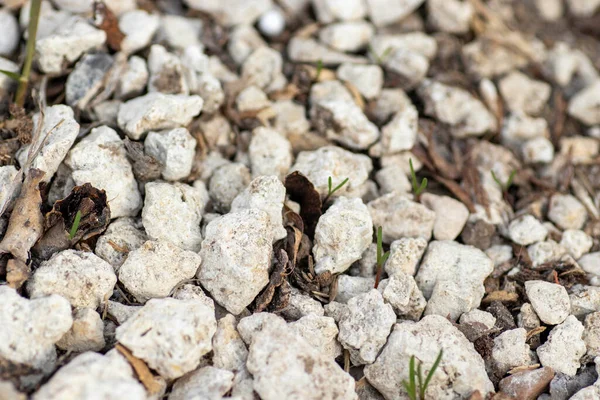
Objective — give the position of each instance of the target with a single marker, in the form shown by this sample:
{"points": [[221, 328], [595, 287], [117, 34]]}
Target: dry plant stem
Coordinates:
{"points": [[34, 17]]}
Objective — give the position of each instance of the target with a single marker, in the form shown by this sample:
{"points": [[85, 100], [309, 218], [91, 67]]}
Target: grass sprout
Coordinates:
{"points": [[75, 226], [331, 190], [415, 386], [505, 185], [417, 188]]}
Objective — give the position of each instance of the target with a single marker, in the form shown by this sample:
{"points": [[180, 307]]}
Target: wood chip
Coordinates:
{"points": [[142, 371]]}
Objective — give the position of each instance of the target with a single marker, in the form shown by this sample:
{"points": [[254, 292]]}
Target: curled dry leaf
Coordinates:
{"points": [[95, 217], [107, 21], [275, 297], [142, 371], [26, 224], [301, 190]]}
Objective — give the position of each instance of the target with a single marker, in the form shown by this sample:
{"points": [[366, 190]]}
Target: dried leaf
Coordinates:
{"points": [[145, 167], [141, 369], [17, 272], [500, 295], [264, 300], [26, 223], [109, 23], [301, 190]]}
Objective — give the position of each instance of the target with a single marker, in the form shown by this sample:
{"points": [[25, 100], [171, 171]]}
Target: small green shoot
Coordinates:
{"points": [[23, 79], [331, 189], [381, 256], [75, 225], [415, 387], [417, 188], [380, 59], [506, 185], [319, 69]]}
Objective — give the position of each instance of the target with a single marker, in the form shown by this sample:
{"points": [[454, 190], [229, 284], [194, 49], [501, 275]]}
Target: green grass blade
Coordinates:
{"points": [[338, 187], [34, 18], [432, 370], [412, 374], [10, 74], [379, 245], [510, 179], [420, 381], [75, 225], [409, 391], [330, 185]]}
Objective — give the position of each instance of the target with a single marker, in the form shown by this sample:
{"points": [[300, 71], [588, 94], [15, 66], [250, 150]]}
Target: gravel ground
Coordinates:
{"points": [[227, 200]]}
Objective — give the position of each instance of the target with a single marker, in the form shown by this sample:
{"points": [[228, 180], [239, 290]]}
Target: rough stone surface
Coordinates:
{"points": [[478, 316], [368, 79], [83, 278], [204, 383], [527, 385], [30, 328], [123, 232], [524, 94], [226, 182], [452, 16], [10, 28], [170, 335], [107, 376], [402, 293], [401, 217], [155, 268], [139, 27], [385, 12], [309, 373], [526, 230], [510, 350], [348, 225], [321, 332], [174, 149], [550, 301], [232, 12], [365, 325], [461, 370], [567, 212], [544, 252], [156, 111], [262, 68], [134, 78], [86, 78], [347, 36], [301, 305], [86, 334], [564, 347], [405, 255], [351, 286], [584, 300], [451, 277], [583, 105], [270, 153], [236, 256], [229, 350], [100, 159], [450, 215], [173, 212], [591, 334]]}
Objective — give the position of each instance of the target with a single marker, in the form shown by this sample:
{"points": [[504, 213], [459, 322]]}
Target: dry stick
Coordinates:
{"points": [[34, 17]]}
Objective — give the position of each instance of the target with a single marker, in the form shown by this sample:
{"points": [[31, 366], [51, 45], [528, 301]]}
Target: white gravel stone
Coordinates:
{"points": [[478, 316], [86, 78], [321, 332], [7, 176], [226, 183], [451, 277], [365, 325], [591, 334], [156, 268], [402, 293], [330, 10], [243, 40], [272, 23], [170, 335], [401, 217], [385, 12], [345, 226], [229, 350], [57, 142], [236, 256], [232, 12], [180, 32], [334, 162], [400, 133], [544, 252], [392, 179], [584, 300], [523, 94], [301, 305], [351, 286], [450, 215], [270, 153], [100, 158], [262, 68], [291, 118], [347, 36], [174, 149], [584, 105], [75, 6], [567, 212], [590, 263], [466, 115], [139, 27], [211, 91], [461, 370], [252, 98], [265, 193], [11, 34], [7, 85], [66, 44], [519, 128], [173, 212], [368, 79], [83, 278], [580, 149], [107, 376], [120, 311], [405, 255], [500, 253], [167, 73], [526, 230], [278, 354], [204, 383], [30, 328], [86, 334], [156, 111], [564, 347], [538, 150], [549, 300], [344, 123], [309, 50], [453, 16], [527, 318], [411, 65], [126, 235], [576, 242], [583, 8], [510, 350]]}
